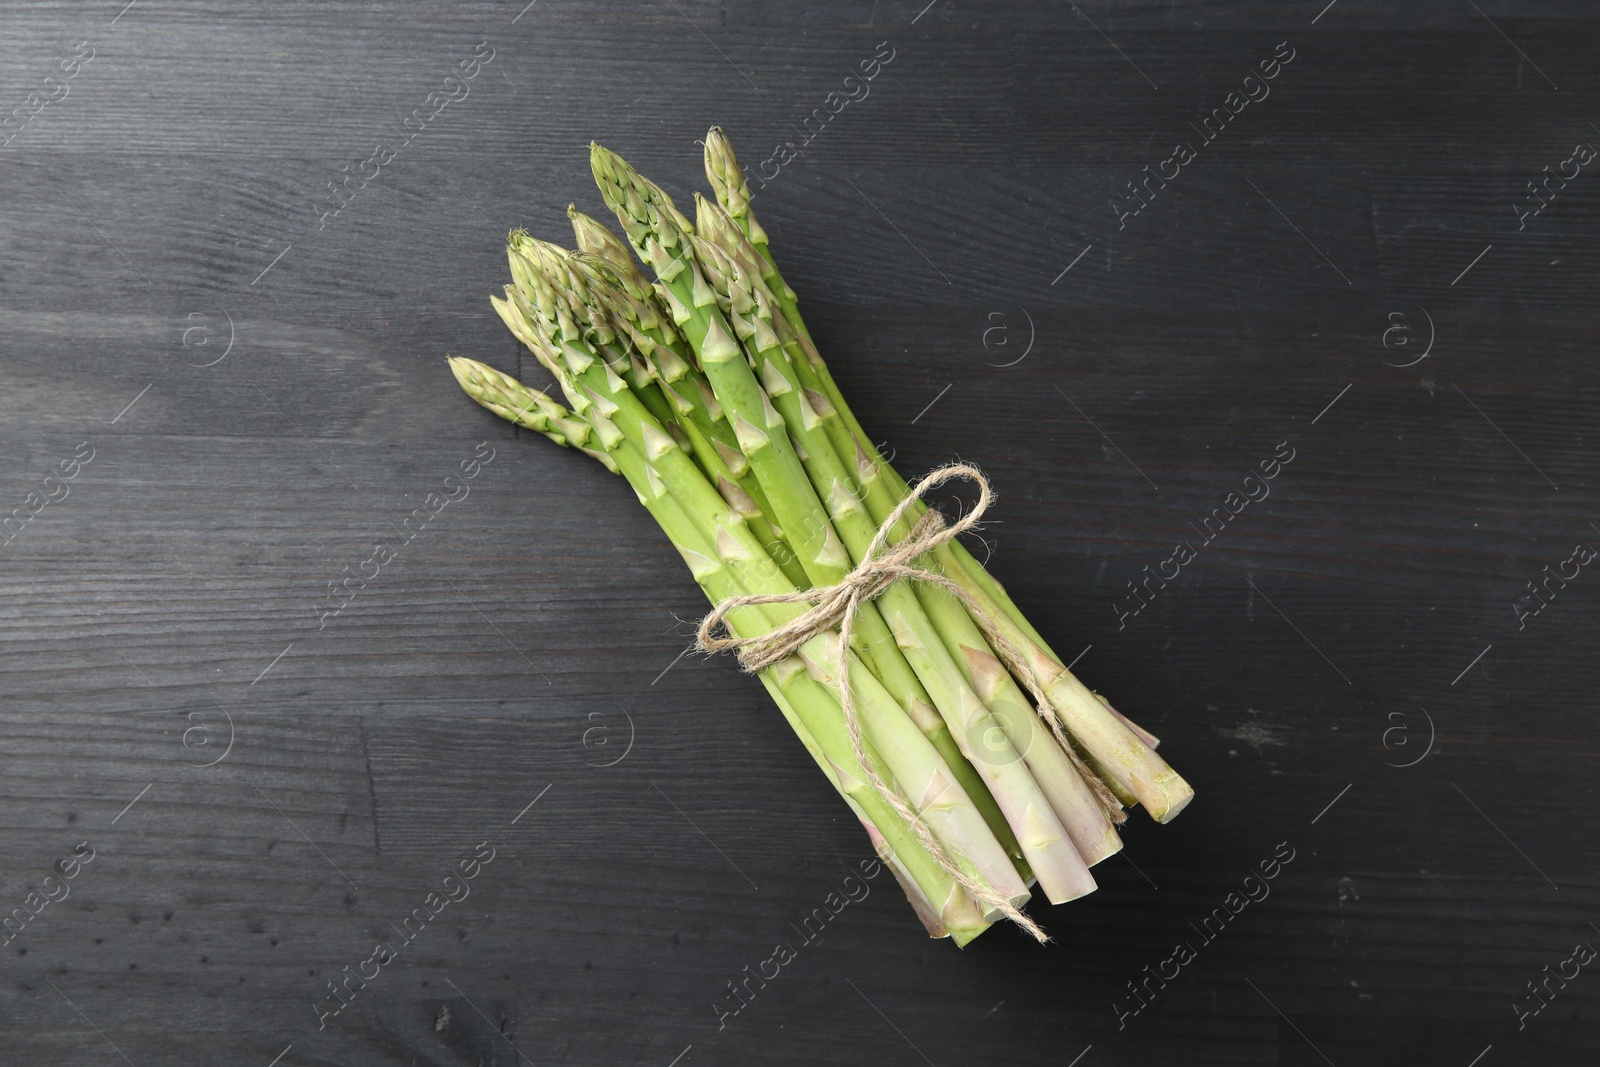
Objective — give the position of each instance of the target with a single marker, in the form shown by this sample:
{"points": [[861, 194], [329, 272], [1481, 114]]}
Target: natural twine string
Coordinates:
{"points": [[836, 606]]}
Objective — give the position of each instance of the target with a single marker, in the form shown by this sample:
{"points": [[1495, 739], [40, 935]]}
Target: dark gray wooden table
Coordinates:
{"points": [[222, 385]]}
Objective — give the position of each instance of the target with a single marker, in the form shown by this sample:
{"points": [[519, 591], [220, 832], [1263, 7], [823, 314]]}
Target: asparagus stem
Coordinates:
{"points": [[808, 700], [1118, 753], [624, 425], [1077, 807], [831, 481], [766, 446], [919, 874], [914, 893], [625, 294], [660, 236], [1118, 750], [1045, 843], [664, 238], [920, 904], [852, 789], [1112, 754], [685, 508]]}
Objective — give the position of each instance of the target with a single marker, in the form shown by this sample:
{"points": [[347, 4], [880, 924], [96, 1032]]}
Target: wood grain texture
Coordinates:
{"points": [[270, 791]]}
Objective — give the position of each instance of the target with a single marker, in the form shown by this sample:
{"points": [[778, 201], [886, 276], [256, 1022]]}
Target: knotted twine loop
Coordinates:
{"points": [[836, 606]]}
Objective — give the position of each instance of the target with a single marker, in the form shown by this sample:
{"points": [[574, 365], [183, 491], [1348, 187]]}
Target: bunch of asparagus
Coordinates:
{"points": [[705, 391]]}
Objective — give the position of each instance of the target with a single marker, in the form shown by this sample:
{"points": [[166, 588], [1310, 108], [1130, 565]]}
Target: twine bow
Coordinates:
{"points": [[836, 606]]}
